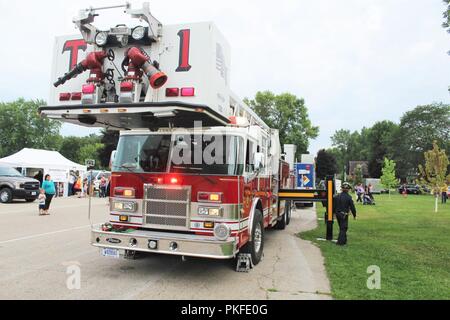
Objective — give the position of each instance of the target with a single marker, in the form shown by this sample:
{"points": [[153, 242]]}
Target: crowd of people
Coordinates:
{"points": [[364, 194], [78, 186]]}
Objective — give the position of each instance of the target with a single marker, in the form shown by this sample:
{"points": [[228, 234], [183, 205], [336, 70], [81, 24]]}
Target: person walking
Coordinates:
{"points": [[343, 204], [359, 192], [77, 187], [370, 190], [49, 188], [102, 187], [444, 194], [72, 181], [38, 176]]}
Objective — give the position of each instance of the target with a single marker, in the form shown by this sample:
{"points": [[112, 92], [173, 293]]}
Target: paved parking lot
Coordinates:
{"points": [[35, 252]]}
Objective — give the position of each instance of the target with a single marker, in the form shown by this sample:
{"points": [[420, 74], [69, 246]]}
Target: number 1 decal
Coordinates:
{"points": [[183, 62]]}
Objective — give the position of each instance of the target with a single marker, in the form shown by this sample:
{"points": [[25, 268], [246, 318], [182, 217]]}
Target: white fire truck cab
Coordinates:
{"points": [[196, 171]]}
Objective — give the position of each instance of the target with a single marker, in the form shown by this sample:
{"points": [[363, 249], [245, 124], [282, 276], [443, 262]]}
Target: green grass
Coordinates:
{"points": [[404, 237]]}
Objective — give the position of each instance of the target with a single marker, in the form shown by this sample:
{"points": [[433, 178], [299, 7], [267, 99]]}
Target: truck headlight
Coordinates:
{"points": [[222, 231], [18, 185], [205, 211], [125, 206], [101, 38], [138, 33]]}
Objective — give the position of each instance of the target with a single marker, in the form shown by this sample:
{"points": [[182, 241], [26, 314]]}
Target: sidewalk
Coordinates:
{"points": [[296, 269]]}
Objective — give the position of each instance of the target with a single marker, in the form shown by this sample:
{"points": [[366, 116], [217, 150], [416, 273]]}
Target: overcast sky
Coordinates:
{"points": [[354, 62]]}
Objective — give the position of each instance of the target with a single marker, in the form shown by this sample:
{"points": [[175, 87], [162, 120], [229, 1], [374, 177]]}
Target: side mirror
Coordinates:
{"points": [[112, 158], [259, 161]]}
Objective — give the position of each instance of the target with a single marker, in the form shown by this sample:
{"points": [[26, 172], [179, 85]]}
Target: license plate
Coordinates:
{"points": [[108, 252], [33, 193]]}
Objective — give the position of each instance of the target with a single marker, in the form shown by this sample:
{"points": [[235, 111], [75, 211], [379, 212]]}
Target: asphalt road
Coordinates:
{"points": [[36, 252]]}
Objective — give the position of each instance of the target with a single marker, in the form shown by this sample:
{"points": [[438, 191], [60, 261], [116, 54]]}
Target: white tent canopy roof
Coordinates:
{"points": [[36, 158]]}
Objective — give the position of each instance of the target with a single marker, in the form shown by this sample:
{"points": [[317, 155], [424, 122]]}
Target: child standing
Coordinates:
{"points": [[41, 200]]}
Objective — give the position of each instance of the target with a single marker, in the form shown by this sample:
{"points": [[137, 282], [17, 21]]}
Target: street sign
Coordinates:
{"points": [[89, 162], [305, 175]]}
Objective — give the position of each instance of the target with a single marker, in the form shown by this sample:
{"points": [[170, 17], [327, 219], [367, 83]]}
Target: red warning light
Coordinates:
{"points": [[187, 92]]}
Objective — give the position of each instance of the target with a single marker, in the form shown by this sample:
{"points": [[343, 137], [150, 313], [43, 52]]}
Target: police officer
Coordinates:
{"points": [[343, 204]]}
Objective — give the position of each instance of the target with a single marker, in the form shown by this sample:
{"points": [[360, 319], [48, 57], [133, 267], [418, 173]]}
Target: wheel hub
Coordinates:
{"points": [[258, 237], [4, 196]]}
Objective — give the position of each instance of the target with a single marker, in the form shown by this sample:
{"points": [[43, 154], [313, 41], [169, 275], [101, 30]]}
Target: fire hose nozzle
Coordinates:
{"points": [[93, 60], [69, 75], [139, 59]]}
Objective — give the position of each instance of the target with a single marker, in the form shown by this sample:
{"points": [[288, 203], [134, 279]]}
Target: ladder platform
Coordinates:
{"points": [[127, 116]]}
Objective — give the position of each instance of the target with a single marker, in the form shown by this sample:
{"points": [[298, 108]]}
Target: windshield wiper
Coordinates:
{"points": [[129, 166]]}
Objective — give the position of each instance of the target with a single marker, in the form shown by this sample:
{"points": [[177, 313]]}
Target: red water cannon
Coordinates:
{"points": [[139, 63], [93, 62]]}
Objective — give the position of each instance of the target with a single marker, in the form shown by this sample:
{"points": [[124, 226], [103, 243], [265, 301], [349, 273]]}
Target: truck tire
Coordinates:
{"points": [[288, 213], [256, 246], [281, 224], [5, 195]]}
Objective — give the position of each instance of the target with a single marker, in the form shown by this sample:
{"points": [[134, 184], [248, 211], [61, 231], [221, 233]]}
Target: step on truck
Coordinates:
{"points": [[196, 172]]}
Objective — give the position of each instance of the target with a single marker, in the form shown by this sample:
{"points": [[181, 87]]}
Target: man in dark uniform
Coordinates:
{"points": [[343, 204]]}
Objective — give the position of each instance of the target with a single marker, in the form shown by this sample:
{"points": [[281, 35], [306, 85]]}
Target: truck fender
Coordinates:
{"points": [[255, 204], [6, 184]]}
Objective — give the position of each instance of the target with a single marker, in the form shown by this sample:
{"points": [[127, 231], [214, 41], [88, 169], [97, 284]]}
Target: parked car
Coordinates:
{"points": [[425, 189], [13, 185], [411, 189]]}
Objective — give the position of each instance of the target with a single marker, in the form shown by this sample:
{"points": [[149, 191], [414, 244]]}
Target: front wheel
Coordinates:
{"points": [[5, 195], [255, 247]]}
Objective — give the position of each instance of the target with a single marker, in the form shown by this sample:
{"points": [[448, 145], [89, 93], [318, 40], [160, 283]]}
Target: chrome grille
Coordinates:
{"points": [[31, 185], [167, 206], [166, 209]]}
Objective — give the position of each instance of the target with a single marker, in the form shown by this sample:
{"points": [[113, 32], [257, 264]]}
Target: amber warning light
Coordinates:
{"points": [[209, 196], [124, 192]]}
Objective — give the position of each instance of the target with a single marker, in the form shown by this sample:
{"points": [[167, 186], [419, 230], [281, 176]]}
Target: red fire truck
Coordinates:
{"points": [[196, 172]]}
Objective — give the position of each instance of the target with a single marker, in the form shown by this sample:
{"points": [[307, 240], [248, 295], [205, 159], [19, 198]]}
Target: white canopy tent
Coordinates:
{"points": [[51, 162]]}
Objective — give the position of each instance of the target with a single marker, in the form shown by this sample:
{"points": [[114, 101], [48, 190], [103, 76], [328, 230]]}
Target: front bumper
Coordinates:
{"points": [[187, 244], [25, 194]]}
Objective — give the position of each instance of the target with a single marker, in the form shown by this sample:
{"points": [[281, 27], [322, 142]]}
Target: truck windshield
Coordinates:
{"points": [[142, 153], [9, 172], [200, 154]]}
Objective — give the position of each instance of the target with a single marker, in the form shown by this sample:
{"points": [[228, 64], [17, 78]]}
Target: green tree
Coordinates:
{"points": [[417, 131], [22, 127], [388, 179], [435, 171], [325, 164], [380, 145], [109, 139], [350, 146], [91, 151], [289, 115], [71, 146]]}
